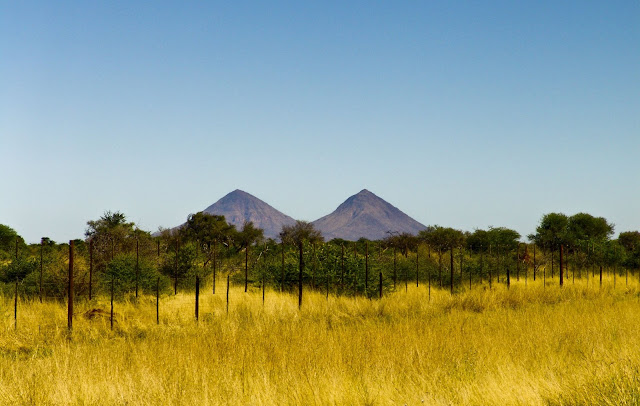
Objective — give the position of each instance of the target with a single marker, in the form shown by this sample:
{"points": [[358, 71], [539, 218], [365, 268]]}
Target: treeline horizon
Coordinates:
{"points": [[116, 251]]}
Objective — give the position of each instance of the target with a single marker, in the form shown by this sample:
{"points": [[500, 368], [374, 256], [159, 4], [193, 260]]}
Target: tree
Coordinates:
{"points": [[109, 233], [552, 231], [478, 241], [297, 235], [208, 228], [403, 242], [442, 239], [8, 239], [504, 238], [630, 241], [585, 227]]}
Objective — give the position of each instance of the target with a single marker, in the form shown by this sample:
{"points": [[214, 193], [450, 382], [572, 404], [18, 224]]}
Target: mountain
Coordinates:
{"points": [[238, 207], [365, 215]]}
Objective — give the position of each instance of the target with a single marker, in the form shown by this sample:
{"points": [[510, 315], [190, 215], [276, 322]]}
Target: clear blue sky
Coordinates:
{"points": [[463, 114]]}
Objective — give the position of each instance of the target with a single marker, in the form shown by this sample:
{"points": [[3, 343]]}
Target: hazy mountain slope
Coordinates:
{"points": [[366, 215], [239, 206]]}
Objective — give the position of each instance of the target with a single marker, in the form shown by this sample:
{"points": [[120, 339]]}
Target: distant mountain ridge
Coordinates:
{"points": [[239, 207], [365, 215]]}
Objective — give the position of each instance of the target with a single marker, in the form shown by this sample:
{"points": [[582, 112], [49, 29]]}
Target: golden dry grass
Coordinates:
{"points": [[523, 346]]}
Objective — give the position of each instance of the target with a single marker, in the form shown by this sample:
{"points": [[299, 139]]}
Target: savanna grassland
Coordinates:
{"points": [[527, 345]]}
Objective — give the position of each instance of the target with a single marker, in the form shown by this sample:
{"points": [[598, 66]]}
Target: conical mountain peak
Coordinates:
{"points": [[239, 207], [365, 215]]}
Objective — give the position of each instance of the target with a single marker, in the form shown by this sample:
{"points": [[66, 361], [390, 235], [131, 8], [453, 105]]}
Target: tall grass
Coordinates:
{"points": [[526, 345]]}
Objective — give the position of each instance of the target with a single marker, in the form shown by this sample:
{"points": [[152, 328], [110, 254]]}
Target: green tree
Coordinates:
{"points": [[403, 242], [630, 241]]}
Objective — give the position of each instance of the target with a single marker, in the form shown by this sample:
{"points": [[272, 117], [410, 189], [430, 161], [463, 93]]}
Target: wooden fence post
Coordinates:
{"points": [[215, 249], [158, 301], [137, 265], [342, 269], [561, 265], [366, 269], [227, 294], [111, 314], [600, 275], [70, 304], [417, 267], [197, 297], [282, 280], [246, 268], [451, 255], [15, 307], [41, 266], [90, 268], [395, 271]]}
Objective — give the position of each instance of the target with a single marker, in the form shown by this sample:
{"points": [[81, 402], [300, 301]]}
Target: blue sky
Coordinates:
{"points": [[463, 114]]}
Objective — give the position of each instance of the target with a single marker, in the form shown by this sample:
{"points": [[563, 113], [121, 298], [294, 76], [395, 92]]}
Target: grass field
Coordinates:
{"points": [[579, 345]]}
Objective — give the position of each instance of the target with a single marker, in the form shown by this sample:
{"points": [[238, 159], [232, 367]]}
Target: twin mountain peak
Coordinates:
{"points": [[363, 215]]}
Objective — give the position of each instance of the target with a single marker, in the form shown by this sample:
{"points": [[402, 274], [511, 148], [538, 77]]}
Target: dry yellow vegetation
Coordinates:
{"points": [[523, 346]]}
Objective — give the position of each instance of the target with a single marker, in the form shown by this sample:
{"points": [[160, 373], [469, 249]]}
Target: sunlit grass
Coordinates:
{"points": [[525, 345]]}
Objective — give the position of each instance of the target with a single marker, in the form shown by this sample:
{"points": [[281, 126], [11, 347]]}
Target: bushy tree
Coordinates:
{"points": [[297, 234]]}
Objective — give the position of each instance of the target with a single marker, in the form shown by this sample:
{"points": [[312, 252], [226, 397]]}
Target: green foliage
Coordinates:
{"points": [[208, 228], [248, 236], [8, 237], [557, 229], [442, 238], [403, 242], [122, 270], [630, 241], [18, 269]]}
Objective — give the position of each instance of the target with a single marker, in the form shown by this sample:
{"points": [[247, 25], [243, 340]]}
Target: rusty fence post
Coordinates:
{"points": [[158, 301], [70, 304], [197, 297], [15, 308], [111, 313]]}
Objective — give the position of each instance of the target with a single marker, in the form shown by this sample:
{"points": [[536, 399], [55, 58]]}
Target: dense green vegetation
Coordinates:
{"points": [[116, 251]]}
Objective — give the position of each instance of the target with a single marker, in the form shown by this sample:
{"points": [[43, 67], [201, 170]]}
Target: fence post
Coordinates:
{"points": [[366, 269], [246, 268], [175, 281], [215, 248], [90, 268], [227, 294], [70, 306], [561, 265], [342, 269], [534, 261], [451, 251], [328, 285], [111, 314], [41, 266], [158, 301], [282, 280], [395, 273], [417, 267], [15, 307], [518, 263], [600, 275], [313, 270], [197, 296], [137, 265]]}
